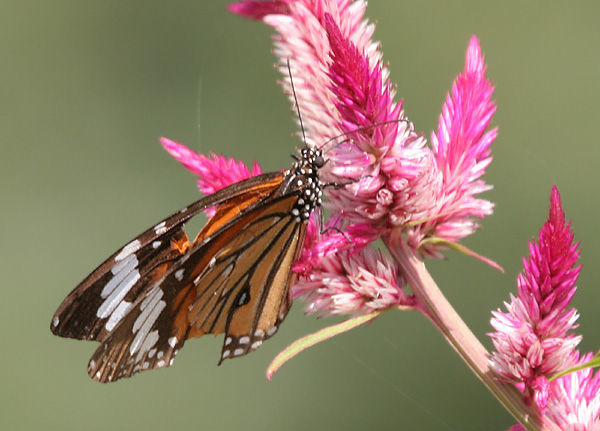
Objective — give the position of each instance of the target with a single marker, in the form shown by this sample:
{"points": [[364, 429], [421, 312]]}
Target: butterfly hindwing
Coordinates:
{"points": [[95, 307], [149, 337]]}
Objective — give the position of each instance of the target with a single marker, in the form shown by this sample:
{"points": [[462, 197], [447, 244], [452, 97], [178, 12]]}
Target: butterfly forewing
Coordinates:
{"points": [[99, 302], [96, 306]]}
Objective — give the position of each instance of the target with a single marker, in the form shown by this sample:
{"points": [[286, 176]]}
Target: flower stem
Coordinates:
{"points": [[458, 334]]}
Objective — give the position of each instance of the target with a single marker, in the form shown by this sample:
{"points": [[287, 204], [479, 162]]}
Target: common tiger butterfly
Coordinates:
{"points": [[150, 296]]}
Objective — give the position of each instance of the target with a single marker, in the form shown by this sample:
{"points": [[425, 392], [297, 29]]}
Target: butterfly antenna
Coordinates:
{"points": [[360, 129], [296, 101]]}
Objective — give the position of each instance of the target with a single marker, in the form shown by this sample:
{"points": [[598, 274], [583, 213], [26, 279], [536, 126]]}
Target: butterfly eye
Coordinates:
{"points": [[319, 161]]}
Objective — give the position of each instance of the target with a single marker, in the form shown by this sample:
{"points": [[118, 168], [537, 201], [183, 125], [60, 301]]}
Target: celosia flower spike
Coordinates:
{"points": [[214, 172], [532, 338], [461, 149], [574, 399]]}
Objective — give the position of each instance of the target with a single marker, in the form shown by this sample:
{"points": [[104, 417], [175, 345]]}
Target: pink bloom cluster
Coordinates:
{"points": [[461, 149], [394, 181], [533, 339], [214, 172], [574, 399]]}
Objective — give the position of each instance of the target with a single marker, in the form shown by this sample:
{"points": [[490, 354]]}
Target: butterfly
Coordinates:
{"points": [[160, 289]]}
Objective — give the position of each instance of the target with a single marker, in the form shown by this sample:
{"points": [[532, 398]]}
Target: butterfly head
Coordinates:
{"points": [[303, 179]]}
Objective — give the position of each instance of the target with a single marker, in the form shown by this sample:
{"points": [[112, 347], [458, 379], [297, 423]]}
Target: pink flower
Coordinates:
{"points": [[353, 283], [318, 245], [342, 86], [392, 180], [347, 104], [574, 399], [461, 149], [532, 339], [213, 173]]}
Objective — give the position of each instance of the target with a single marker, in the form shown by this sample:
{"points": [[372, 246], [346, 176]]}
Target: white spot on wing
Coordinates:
{"points": [[238, 352], [126, 262], [256, 344], [151, 308], [179, 274], [228, 341], [160, 228], [148, 343], [226, 353], [132, 247], [120, 271], [244, 340], [259, 333], [160, 354], [172, 341], [55, 321], [117, 295], [271, 330], [160, 363], [117, 315], [156, 244]]}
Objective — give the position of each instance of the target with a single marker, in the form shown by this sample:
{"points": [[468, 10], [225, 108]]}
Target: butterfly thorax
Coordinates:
{"points": [[303, 179]]}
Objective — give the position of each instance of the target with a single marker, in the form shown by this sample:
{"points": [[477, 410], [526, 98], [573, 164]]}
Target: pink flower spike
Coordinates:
{"points": [[574, 399], [341, 85], [461, 149], [258, 9], [215, 172], [532, 340]]}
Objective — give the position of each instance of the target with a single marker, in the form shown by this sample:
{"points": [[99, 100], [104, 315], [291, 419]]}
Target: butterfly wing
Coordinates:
{"points": [[244, 289], [234, 279], [145, 300], [97, 305]]}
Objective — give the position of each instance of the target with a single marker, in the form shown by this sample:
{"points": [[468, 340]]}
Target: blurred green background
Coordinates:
{"points": [[86, 89]]}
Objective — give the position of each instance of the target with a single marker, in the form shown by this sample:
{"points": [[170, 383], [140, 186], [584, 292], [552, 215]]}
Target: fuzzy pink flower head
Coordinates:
{"points": [[461, 148], [353, 282], [214, 172], [318, 245], [532, 338], [574, 399], [347, 104]]}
